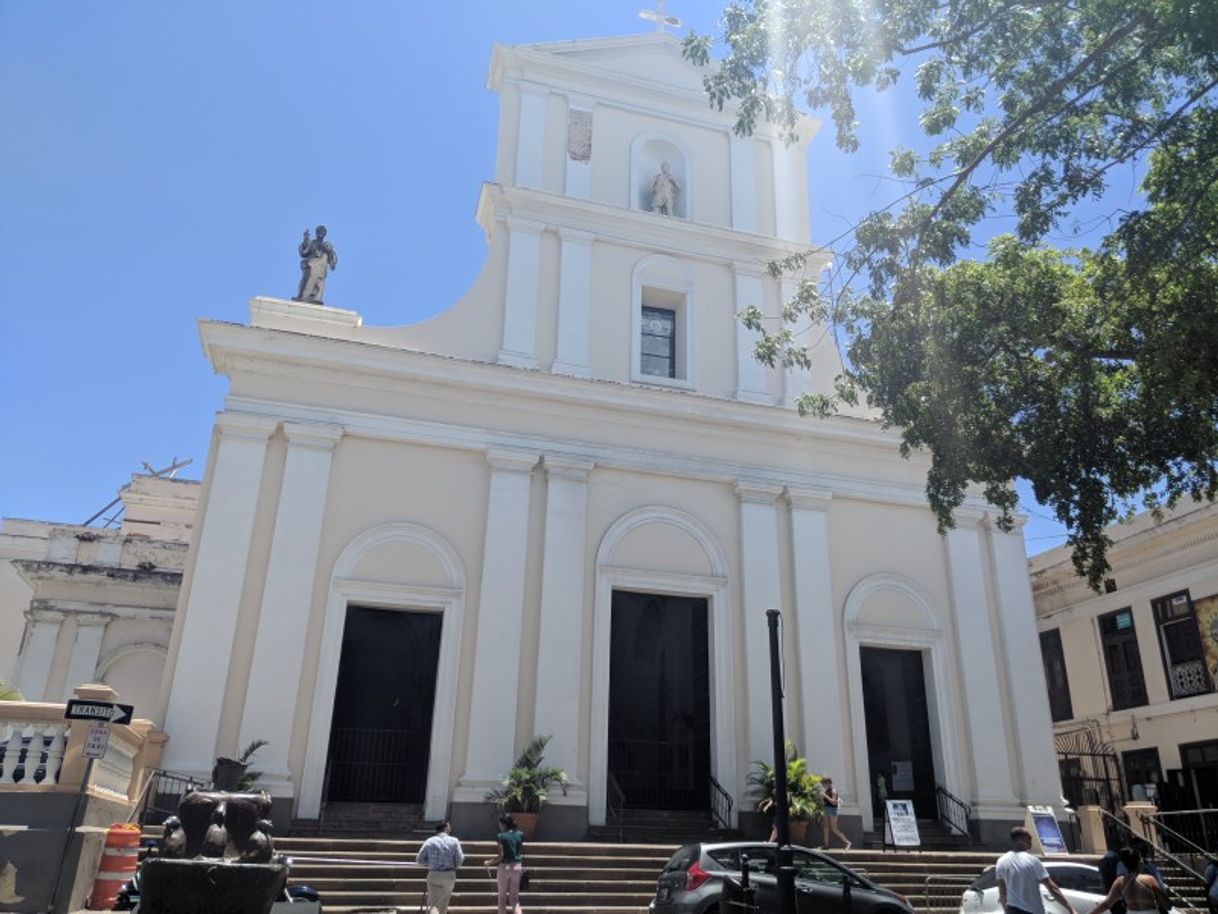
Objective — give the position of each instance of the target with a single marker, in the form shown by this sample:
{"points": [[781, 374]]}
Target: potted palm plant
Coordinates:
{"points": [[525, 789], [804, 801]]}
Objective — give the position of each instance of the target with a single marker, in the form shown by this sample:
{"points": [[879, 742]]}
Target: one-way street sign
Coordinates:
{"points": [[109, 711]]}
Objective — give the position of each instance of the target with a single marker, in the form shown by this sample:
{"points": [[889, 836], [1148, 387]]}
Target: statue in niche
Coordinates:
{"points": [[317, 258], [664, 188]]}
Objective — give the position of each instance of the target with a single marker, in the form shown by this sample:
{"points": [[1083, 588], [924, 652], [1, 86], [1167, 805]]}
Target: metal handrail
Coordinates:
{"points": [[950, 882], [953, 811], [615, 803], [720, 804], [1158, 850], [151, 788], [1209, 838]]}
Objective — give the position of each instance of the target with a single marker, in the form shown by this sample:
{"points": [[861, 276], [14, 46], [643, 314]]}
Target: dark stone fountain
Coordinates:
{"points": [[215, 857]]}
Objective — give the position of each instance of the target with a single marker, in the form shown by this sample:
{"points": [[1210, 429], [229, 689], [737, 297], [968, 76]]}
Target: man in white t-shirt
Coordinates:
{"points": [[1020, 876]]}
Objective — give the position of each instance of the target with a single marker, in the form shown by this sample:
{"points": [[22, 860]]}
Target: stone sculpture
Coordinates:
{"points": [[216, 855], [664, 188], [317, 258]]}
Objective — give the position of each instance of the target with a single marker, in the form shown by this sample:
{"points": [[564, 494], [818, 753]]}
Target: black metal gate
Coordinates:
{"points": [[1091, 776]]}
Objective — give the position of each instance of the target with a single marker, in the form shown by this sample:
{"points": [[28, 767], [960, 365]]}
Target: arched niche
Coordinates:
{"points": [[648, 153], [891, 611], [699, 569], [398, 566]]}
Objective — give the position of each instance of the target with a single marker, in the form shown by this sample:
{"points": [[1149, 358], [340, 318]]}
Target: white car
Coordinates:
{"points": [[1079, 882]]}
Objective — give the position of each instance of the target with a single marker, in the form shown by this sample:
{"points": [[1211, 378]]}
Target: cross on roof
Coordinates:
{"points": [[657, 16]]}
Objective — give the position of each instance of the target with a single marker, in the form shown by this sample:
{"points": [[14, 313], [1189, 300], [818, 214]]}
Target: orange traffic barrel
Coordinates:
{"points": [[120, 857]]}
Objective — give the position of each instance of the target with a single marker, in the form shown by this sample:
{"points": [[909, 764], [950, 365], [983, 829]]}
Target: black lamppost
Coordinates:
{"points": [[786, 861]]}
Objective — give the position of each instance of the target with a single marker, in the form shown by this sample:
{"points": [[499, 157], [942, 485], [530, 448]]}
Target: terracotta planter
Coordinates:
{"points": [[527, 822], [798, 830]]}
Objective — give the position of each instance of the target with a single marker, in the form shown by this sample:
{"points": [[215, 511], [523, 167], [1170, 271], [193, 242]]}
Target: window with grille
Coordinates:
{"points": [[659, 342], [1056, 680], [1181, 645], [1126, 683]]}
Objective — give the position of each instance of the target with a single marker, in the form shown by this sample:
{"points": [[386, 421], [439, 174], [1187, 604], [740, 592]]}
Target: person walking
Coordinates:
{"points": [[509, 865], [829, 819], [1020, 877], [1140, 890], [1211, 884], [442, 855]]}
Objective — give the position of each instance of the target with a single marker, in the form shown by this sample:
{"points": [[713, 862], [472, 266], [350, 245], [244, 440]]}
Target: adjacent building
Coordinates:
{"points": [[1131, 672]]}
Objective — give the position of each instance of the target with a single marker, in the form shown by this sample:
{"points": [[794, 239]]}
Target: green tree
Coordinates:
{"points": [[1091, 373]]}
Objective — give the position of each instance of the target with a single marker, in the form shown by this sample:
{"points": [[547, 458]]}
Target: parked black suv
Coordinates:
{"points": [[692, 882]]}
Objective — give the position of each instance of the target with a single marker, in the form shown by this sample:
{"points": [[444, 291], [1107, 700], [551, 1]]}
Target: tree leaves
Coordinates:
{"points": [[1091, 373]]}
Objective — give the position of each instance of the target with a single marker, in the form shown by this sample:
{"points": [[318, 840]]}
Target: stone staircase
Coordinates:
{"points": [[366, 874], [662, 826]]}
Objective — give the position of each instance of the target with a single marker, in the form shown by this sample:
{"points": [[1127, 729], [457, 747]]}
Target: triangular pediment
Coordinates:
{"points": [[653, 58]]}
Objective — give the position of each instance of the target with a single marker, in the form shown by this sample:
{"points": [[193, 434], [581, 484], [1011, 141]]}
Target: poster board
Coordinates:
{"points": [[902, 775], [1046, 834], [901, 822]]}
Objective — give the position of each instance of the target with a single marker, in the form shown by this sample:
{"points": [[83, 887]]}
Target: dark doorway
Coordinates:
{"points": [[380, 735], [898, 727], [659, 701]]}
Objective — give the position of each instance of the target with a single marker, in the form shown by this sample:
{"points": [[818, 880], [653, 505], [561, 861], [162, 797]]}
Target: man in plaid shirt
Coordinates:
{"points": [[442, 855]]}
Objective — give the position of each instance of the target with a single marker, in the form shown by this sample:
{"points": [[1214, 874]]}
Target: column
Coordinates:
{"points": [[1029, 706], [211, 607], [560, 644], [86, 650], [980, 686], [797, 381], [750, 373], [744, 184], [816, 624], [287, 598], [789, 187], [761, 591], [35, 660], [574, 303], [520, 295], [492, 713], [530, 136]]}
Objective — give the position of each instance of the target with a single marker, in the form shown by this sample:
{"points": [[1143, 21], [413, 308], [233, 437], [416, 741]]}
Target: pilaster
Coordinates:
{"points": [[983, 707], [520, 293], [1029, 707], [211, 607], [750, 373], [574, 303], [744, 183], [35, 660], [86, 650], [789, 188], [557, 708], [492, 716], [283, 619], [817, 636], [530, 135], [797, 381], [761, 591]]}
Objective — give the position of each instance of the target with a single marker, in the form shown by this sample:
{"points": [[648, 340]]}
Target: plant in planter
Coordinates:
{"points": [[9, 694], [804, 799], [525, 788]]}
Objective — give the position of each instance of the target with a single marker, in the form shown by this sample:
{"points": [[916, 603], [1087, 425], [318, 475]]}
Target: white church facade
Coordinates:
{"points": [[564, 505]]}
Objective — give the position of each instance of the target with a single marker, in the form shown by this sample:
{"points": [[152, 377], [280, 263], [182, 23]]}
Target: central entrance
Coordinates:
{"points": [[659, 700], [898, 728], [380, 734]]}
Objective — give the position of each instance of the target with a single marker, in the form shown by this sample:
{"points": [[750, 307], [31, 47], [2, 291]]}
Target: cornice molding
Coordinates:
{"points": [[808, 499], [638, 229], [508, 460], [312, 435], [757, 492], [245, 425], [562, 466]]}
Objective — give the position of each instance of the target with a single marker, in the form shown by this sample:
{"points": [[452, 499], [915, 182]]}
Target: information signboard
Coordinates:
{"points": [[903, 823], [902, 776], [1042, 823], [97, 737]]}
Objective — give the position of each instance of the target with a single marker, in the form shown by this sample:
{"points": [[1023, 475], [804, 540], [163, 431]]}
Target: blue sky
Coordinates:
{"points": [[158, 162]]}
